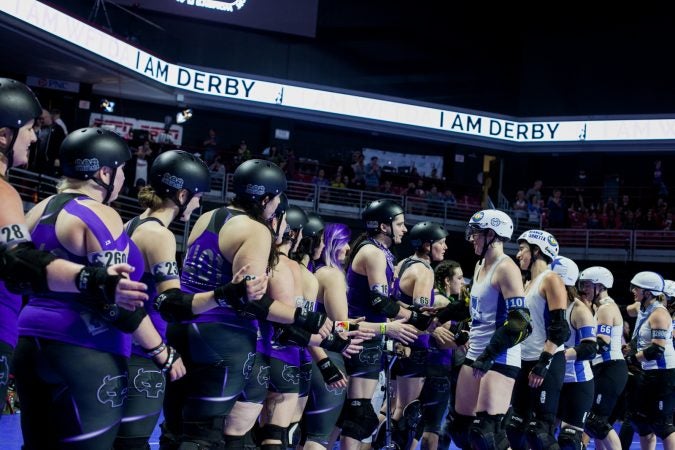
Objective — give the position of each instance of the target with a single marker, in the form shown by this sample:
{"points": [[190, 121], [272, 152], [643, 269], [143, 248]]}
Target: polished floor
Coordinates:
{"points": [[10, 436]]}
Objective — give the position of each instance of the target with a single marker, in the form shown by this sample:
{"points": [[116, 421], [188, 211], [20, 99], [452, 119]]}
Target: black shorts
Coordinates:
{"points": [[6, 352], [656, 393], [610, 379], [284, 377], [504, 369], [412, 367], [257, 381], [575, 402], [368, 362], [434, 397], [305, 373], [542, 401]]}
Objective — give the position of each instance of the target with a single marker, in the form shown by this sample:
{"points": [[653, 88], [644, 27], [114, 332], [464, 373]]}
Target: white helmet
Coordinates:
{"points": [[669, 288], [546, 242], [567, 269], [491, 219], [650, 281], [598, 275]]}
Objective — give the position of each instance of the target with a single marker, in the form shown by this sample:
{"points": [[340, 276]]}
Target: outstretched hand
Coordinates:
{"points": [[128, 294]]}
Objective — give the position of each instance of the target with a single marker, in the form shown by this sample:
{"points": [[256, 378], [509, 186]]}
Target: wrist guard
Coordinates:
{"points": [[603, 346], [97, 284], [329, 371], [461, 338], [292, 335], [334, 343], [174, 305], [454, 311], [231, 295], [541, 367], [257, 309], [309, 320]]}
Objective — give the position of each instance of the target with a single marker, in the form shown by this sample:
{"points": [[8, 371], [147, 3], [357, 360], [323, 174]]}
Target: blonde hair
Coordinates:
{"points": [[70, 183], [148, 198]]}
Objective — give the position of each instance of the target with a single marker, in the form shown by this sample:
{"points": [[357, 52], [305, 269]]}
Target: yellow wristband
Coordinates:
{"points": [[383, 328]]}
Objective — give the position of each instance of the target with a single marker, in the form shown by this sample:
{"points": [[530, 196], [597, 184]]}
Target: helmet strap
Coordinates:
{"points": [[487, 245], [181, 206], [9, 154], [108, 187]]}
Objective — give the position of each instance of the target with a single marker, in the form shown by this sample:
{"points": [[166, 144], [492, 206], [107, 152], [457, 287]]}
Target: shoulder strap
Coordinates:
{"points": [[54, 206], [137, 222]]}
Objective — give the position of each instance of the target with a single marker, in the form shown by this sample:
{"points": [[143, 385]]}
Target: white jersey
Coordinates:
{"points": [[536, 303], [644, 340], [615, 333], [488, 312], [577, 371]]}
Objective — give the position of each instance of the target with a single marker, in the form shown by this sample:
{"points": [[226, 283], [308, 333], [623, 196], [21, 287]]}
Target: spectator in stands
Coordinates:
{"points": [[668, 223], [556, 210], [137, 168], [56, 118], [338, 182], [320, 178], [242, 154], [419, 189], [628, 220], [535, 191], [217, 165], [434, 173], [520, 205], [346, 182], [387, 187], [533, 210], [373, 174], [433, 195], [658, 181], [47, 147], [359, 171], [210, 146], [593, 222], [449, 198], [289, 168]]}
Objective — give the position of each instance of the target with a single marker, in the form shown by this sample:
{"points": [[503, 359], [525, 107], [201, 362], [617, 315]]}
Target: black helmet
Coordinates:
{"points": [[380, 211], [296, 218], [426, 232], [314, 225], [18, 104], [177, 169], [256, 178], [84, 151]]}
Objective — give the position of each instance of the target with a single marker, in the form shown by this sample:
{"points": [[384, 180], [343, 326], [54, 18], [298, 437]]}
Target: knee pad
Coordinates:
{"points": [[459, 430], [641, 424], [293, 434], [540, 434], [127, 443], [203, 435], [486, 432], [167, 439], [515, 430], [597, 427], [663, 428], [411, 421], [359, 420], [570, 439], [234, 442], [273, 433]]}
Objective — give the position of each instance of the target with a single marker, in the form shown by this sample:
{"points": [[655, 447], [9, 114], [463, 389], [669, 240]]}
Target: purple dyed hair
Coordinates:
{"points": [[335, 236]]}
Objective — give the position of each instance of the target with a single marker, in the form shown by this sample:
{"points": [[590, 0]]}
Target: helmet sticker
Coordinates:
{"points": [[87, 165], [478, 216], [495, 222], [173, 181], [255, 189]]}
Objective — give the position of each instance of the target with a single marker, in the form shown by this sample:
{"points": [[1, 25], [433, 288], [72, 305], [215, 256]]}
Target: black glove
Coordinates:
{"points": [[292, 335], [329, 371], [419, 320], [484, 362], [334, 343], [232, 295], [96, 283], [461, 337], [309, 320], [174, 305], [541, 367]]}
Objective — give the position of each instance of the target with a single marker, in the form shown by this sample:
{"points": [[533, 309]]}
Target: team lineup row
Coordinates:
{"points": [[274, 320]]}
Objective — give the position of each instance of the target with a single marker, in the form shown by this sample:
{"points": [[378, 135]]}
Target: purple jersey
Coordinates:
{"points": [[64, 317], [358, 290], [422, 341], [205, 268], [137, 260]]}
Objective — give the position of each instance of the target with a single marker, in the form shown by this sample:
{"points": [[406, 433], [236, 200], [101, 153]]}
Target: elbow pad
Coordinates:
{"points": [[586, 350], [518, 325], [125, 320], [174, 305], [23, 268], [654, 351], [559, 330], [383, 304], [603, 346]]}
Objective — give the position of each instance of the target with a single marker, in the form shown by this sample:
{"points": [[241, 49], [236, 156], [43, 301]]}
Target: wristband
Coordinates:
{"points": [[383, 329]]}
